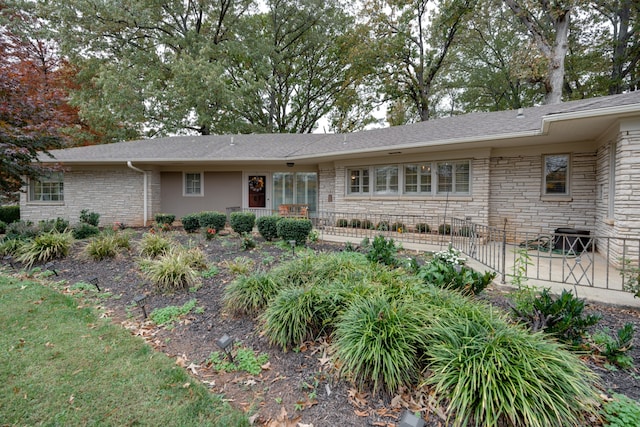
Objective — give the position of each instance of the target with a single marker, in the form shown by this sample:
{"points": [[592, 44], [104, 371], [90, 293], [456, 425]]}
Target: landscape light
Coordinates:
{"points": [[292, 243], [141, 301], [410, 420], [51, 267], [9, 259], [225, 343], [94, 281]]}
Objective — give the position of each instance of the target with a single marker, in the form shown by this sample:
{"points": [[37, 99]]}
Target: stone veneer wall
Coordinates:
{"points": [[627, 196], [428, 207], [516, 187], [116, 194]]}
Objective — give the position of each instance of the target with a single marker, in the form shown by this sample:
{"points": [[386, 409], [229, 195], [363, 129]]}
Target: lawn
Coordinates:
{"points": [[63, 365]]}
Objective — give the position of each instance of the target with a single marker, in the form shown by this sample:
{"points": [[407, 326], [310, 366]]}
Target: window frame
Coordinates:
{"points": [[55, 183], [388, 180], [567, 179], [361, 184], [455, 184], [185, 177]]}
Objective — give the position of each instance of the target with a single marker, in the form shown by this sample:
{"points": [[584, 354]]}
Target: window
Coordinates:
{"points": [[295, 188], [417, 178], [48, 188], [453, 177], [386, 180], [556, 174], [193, 184], [358, 181]]}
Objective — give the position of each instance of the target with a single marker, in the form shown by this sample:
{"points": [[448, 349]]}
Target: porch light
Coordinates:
{"points": [[292, 243], [290, 164], [141, 301], [94, 281], [410, 420], [225, 343]]}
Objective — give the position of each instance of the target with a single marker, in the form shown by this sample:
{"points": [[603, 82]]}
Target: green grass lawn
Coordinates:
{"points": [[62, 365]]}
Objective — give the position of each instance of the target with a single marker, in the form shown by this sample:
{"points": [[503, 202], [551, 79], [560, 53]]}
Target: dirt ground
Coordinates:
{"points": [[295, 388]]}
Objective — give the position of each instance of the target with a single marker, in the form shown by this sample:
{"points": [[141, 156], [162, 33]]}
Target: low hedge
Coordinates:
{"points": [[297, 229], [190, 223], [268, 226], [9, 214], [213, 219], [242, 222]]}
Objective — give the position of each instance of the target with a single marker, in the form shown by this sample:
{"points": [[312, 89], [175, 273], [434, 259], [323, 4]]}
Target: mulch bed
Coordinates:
{"points": [[297, 387]]}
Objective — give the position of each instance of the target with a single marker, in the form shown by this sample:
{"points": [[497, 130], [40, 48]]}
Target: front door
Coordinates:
{"points": [[257, 197]]}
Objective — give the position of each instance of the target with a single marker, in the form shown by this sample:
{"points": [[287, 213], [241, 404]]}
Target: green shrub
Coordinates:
{"points": [[91, 218], [383, 251], [250, 294], [247, 243], [171, 272], [242, 222], [294, 229], [21, 230], [45, 247], [621, 411], [398, 226], [164, 219], [465, 231], [560, 316], [366, 225], [3, 227], [244, 360], [615, 348], [191, 223], [167, 316], [378, 342], [152, 245], [355, 223], [268, 227], [342, 222], [83, 230], [58, 224], [9, 214], [455, 276], [444, 229], [383, 226], [493, 373], [214, 220], [422, 227]]}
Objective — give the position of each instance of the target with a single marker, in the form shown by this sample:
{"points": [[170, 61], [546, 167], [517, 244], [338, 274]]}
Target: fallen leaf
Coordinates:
{"points": [[304, 425], [192, 367], [186, 385], [361, 413], [71, 399], [266, 366]]}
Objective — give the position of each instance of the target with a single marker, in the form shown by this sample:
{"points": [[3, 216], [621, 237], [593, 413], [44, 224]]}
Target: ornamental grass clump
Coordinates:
{"points": [[250, 294], [378, 340], [152, 245], [45, 247], [171, 272], [492, 373], [107, 245]]}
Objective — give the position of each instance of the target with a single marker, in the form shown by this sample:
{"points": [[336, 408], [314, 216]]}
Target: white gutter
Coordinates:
{"points": [[145, 196]]}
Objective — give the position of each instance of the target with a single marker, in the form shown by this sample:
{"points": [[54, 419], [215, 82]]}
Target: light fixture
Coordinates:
{"points": [[520, 113], [290, 164], [457, 268], [232, 143], [395, 152], [292, 243], [410, 420], [51, 267], [94, 281], [9, 259], [225, 343], [141, 301]]}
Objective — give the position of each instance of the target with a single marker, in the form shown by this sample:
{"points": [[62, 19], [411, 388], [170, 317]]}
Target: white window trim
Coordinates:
{"points": [[184, 184], [435, 182], [552, 196], [30, 195], [348, 181], [387, 192]]}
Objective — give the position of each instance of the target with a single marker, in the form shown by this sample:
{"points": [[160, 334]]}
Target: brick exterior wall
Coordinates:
{"points": [[115, 193]]}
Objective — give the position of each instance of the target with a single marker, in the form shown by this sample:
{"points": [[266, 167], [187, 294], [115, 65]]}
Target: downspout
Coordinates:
{"points": [[145, 197]]}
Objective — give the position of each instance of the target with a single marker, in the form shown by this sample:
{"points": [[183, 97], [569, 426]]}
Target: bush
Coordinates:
{"points": [[465, 231], [294, 229], [164, 219], [59, 224], [9, 214], [214, 220], [383, 226], [492, 373], [268, 227], [171, 272], [191, 223], [91, 218], [107, 245], [247, 243], [250, 294], [378, 341], [342, 222], [22, 230], [422, 227], [615, 348], [84, 230], [355, 223], [45, 247], [399, 227], [444, 229], [153, 245], [366, 225], [10, 246], [383, 251], [3, 227], [242, 222], [560, 316], [456, 277]]}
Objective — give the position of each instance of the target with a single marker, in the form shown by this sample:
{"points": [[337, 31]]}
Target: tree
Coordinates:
{"points": [[548, 25], [413, 38], [34, 112]]}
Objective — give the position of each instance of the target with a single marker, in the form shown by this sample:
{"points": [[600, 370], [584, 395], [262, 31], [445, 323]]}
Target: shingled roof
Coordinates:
{"points": [[468, 128]]}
